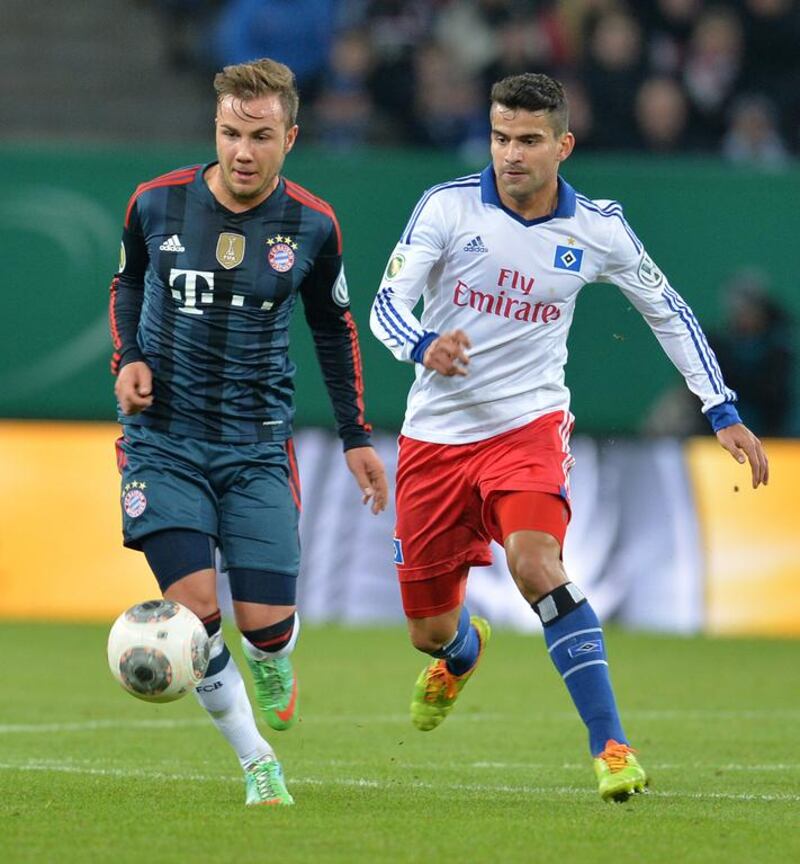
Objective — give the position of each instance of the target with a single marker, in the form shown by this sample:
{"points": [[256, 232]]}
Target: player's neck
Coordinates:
{"points": [[541, 203]]}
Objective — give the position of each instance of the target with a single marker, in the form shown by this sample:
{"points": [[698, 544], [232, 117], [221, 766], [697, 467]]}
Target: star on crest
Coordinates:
{"points": [[281, 238]]}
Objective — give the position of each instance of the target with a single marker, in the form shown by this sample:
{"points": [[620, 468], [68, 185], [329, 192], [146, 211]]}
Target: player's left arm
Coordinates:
{"points": [[672, 321], [327, 309]]}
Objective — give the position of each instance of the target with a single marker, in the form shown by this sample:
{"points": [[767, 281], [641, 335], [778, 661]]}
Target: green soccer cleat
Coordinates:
{"points": [[264, 783], [618, 772], [276, 690], [437, 688]]}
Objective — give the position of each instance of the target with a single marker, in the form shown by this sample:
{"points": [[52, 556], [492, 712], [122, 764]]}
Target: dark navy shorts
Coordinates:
{"points": [[246, 496]]}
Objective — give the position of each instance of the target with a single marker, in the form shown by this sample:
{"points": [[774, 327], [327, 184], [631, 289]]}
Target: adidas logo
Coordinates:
{"points": [[172, 245], [475, 245]]}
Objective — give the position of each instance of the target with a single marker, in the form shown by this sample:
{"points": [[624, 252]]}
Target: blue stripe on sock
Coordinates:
{"points": [[461, 652], [576, 646], [219, 662]]}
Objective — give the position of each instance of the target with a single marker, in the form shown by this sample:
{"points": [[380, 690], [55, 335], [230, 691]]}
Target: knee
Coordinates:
{"points": [[537, 568], [427, 636], [195, 595]]}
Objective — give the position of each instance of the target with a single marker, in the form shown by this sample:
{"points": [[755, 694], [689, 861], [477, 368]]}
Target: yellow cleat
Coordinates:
{"points": [[618, 772], [437, 689]]}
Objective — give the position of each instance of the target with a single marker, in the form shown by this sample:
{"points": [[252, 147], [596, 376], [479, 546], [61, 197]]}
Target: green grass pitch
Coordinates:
{"points": [[89, 774]]}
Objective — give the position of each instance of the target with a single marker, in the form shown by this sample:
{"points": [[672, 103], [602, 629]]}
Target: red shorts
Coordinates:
{"points": [[446, 504]]}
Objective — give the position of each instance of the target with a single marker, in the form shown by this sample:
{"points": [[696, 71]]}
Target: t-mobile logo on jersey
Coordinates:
{"points": [[195, 282]]}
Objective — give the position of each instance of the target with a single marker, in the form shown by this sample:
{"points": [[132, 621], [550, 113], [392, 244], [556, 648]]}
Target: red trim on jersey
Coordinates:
{"points": [[294, 474], [299, 193], [359, 378], [112, 321], [122, 459], [179, 177]]}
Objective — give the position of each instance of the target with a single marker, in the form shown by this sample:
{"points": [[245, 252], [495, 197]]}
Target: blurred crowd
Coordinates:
{"points": [[661, 76]]}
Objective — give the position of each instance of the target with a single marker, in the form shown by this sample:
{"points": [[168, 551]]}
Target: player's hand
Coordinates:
{"points": [[740, 442], [134, 387], [447, 354], [366, 466]]}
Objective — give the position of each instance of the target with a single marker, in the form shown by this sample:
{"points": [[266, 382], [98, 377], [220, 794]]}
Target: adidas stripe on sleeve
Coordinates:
{"points": [[633, 271], [421, 246]]}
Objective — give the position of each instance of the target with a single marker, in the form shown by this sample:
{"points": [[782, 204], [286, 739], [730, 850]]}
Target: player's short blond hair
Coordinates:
{"points": [[258, 78]]}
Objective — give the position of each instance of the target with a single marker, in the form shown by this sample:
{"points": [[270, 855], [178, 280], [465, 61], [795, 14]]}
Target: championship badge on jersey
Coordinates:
{"points": [[230, 249], [281, 253]]}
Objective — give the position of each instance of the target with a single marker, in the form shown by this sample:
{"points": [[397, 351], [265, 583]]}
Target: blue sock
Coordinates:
{"points": [[461, 651], [574, 640]]}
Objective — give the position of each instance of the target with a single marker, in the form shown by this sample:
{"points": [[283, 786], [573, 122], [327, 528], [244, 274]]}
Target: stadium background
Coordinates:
{"points": [[688, 547]]}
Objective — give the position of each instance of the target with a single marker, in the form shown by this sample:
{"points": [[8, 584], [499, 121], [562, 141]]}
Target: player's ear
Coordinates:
{"points": [[291, 137], [566, 146]]}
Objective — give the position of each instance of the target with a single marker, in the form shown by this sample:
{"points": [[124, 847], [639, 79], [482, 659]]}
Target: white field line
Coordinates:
{"points": [[567, 766], [376, 719], [543, 791], [455, 766], [91, 725]]}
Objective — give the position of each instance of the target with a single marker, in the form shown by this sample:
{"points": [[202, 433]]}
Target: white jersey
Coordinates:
{"points": [[511, 285]]}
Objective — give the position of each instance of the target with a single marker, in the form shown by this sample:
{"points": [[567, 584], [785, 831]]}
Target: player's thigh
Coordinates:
{"points": [[530, 460], [163, 485], [439, 526], [259, 511], [425, 601]]}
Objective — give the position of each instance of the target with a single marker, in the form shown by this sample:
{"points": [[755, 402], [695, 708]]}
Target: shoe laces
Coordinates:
{"points": [[615, 755], [267, 779], [441, 682], [277, 679]]}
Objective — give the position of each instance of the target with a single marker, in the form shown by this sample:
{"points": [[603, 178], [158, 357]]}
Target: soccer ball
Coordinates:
{"points": [[158, 650]]}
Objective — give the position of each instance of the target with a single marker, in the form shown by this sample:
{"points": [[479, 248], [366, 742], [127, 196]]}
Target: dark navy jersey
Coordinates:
{"points": [[204, 296]]}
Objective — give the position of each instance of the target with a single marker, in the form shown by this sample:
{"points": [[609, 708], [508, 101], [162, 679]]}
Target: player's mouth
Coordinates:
{"points": [[243, 176]]}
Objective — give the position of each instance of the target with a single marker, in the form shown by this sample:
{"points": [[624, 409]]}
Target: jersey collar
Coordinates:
{"points": [[565, 208]]}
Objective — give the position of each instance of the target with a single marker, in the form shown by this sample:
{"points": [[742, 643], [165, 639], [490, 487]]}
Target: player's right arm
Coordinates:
{"points": [[421, 246], [134, 384]]}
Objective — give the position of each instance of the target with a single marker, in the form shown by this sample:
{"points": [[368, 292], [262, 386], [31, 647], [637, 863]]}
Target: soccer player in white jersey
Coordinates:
{"points": [[499, 258]]}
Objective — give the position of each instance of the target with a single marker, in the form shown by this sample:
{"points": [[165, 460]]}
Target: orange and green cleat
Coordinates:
{"points": [[618, 772], [437, 688], [264, 783], [276, 690]]}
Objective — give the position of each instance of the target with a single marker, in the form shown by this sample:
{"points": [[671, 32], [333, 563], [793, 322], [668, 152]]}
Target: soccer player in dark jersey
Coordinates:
{"points": [[213, 260]]}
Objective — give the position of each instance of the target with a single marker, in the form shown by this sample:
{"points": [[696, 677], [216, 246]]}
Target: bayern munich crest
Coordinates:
{"points": [[134, 501], [281, 253]]}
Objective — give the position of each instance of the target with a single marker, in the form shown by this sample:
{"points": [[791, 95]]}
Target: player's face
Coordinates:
{"points": [[526, 154], [252, 141]]}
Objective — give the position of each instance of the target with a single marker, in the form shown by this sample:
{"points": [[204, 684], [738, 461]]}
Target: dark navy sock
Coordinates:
{"points": [[461, 652], [574, 639], [219, 654]]}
